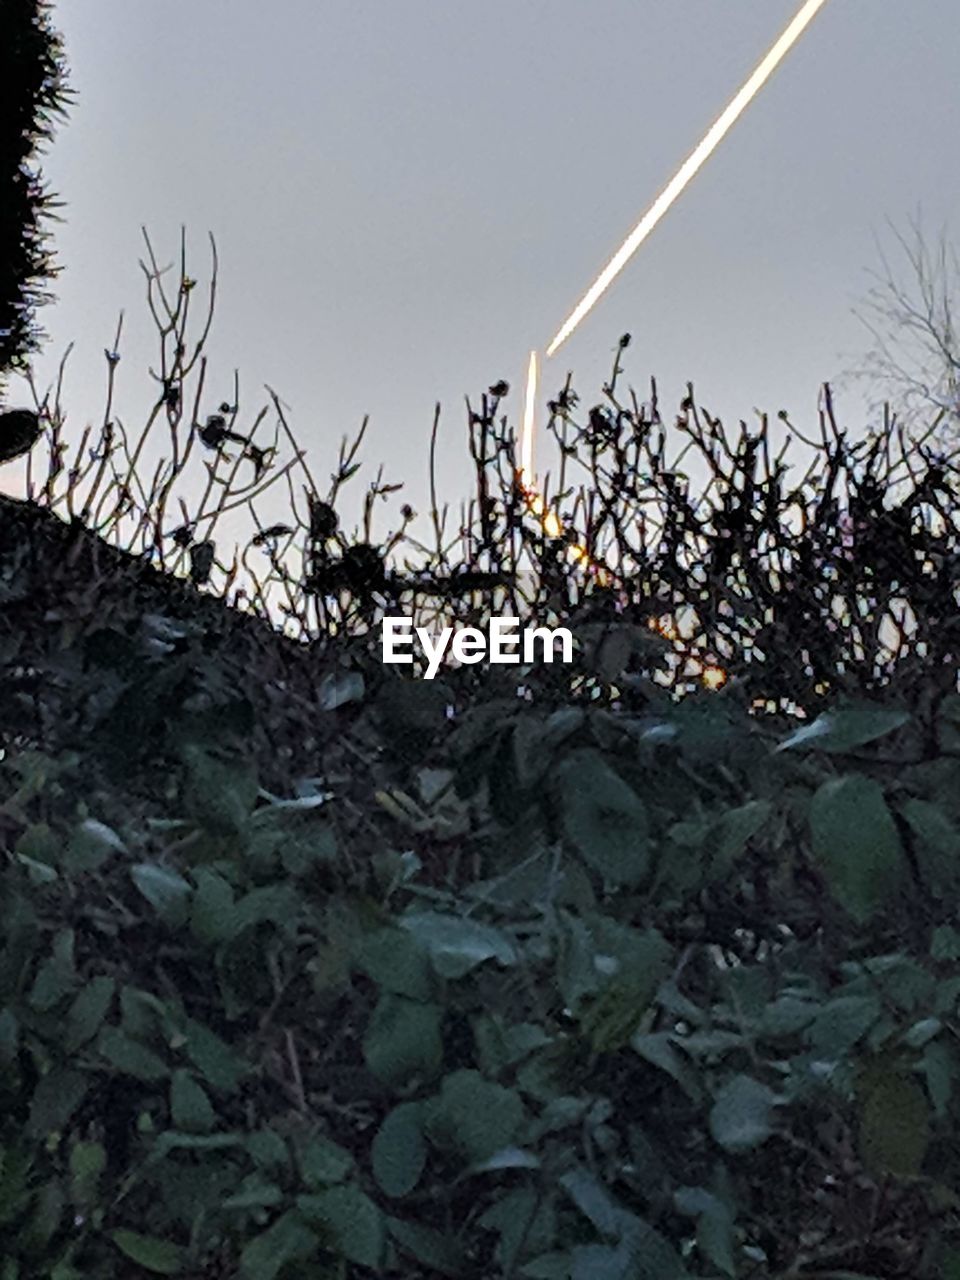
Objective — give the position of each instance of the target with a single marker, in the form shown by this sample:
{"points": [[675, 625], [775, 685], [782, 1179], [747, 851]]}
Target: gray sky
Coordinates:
{"points": [[409, 195]]}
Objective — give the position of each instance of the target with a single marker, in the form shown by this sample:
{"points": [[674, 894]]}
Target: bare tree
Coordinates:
{"points": [[914, 360]]}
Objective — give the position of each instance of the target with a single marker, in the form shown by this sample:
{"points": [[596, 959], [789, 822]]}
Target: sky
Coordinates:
{"points": [[410, 195]]}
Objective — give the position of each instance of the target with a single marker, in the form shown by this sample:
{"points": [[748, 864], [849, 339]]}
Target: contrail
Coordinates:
{"points": [[526, 430], [549, 520], [711, 676], [778, 51], [697, 157]]}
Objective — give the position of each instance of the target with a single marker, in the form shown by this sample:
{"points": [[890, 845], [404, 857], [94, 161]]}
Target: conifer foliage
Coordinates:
{"points": [[32, 93]]}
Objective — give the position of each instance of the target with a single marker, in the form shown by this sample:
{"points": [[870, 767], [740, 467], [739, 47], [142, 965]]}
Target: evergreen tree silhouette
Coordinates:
{"points": [[33, 93]]}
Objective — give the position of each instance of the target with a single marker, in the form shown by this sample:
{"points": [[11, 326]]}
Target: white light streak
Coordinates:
{"points": [[529, 422], [711, 675], [697, 157]]}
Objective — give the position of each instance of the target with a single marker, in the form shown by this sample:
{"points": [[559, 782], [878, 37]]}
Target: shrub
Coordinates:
{"points": [[311, 967]]}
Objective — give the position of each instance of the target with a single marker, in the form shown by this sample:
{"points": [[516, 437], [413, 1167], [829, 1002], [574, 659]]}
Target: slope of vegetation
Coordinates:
{"points": [[310, 967]]}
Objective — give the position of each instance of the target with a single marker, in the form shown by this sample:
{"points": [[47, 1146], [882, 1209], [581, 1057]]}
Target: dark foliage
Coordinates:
{"points": [[641, 967], [311, 968], [19, 431], [32, 94]]}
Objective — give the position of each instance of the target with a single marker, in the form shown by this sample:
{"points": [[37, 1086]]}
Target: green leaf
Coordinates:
{"points": [[213, 1057], [287, 1240], [611, 1020], [56, 977], [55, 1099], [499, 1045], [715, 1237], [595, 1202], [922, 1032], [129, 1056], [355, 1222], [9, 1037], [403, 1040], [710, 730], [268, 1149], [211, 911], [190, 1108], [604, 819], [742, 1115], [937, 845], [657, 1048], [856, 843], [64, 1271], [39, 846], [434, 1250], [40, 872], [940, 1068], [894, 1125], [254, 1194], [526, 1222], [847, 729], [712, 1045], [734, 829], [601, 1262], [173, 1141], [307, 845], [945, 943], [531, 741], [456, 944], [548, 1266], [88, 1011], [399, 1151], [87, 1162], [632, 965], [91, 845], [44, 1220], [166, 891], [323, 1162], [473, 1115], [641, 1252], [15, 1188], [337, 688], [398, 963], [154, 1255], [508, 1158], [577, 973], [785, 1016], [219, 797], [841, 1022], [143, 1015], [274, 903]]}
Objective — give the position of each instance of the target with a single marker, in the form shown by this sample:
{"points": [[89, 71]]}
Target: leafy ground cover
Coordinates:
{"points": [[644, 966], [550, 986]]}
